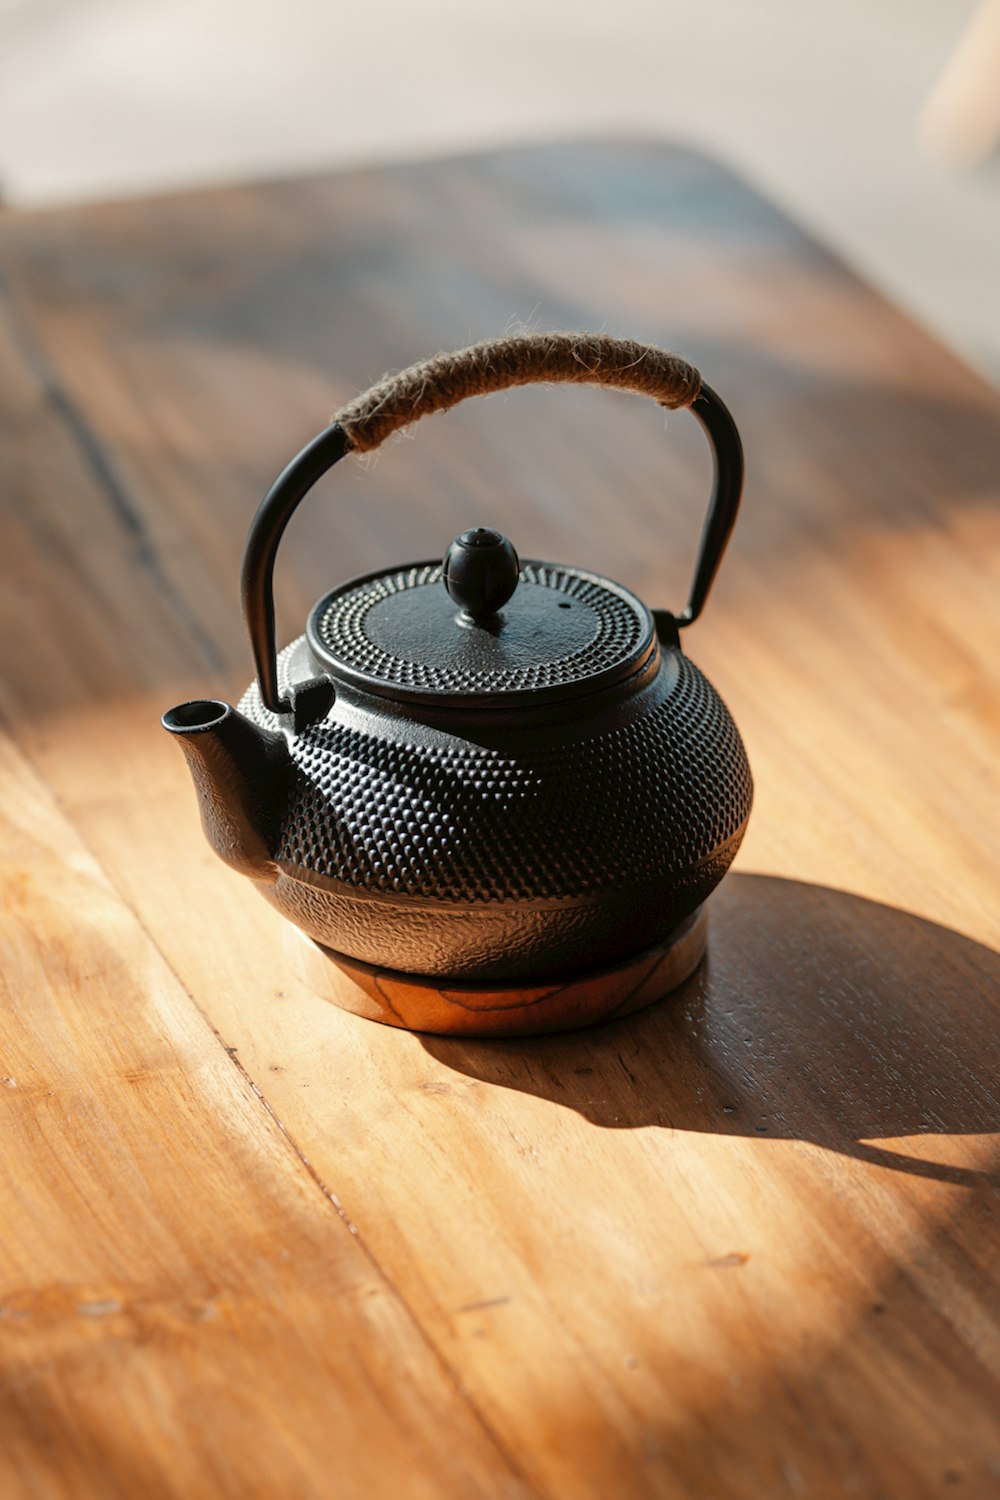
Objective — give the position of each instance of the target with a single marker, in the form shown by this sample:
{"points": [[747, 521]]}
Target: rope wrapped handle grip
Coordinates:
{"points": [[440, 383]]}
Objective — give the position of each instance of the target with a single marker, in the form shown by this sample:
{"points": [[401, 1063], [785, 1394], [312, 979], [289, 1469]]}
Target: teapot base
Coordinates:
{"points": [[417, 1003]]}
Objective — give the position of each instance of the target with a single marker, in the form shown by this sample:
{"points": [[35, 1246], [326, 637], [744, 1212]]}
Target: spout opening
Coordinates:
{"points": [[200, 713]]}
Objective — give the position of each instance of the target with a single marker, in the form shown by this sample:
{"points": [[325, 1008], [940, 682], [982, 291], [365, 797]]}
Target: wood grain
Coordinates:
{"points": [[167, 1258], [741, 1244]]}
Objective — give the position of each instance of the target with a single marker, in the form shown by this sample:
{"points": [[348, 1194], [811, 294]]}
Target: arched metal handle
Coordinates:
{"points": [[266, 530], [295, 482], [727, 490]]}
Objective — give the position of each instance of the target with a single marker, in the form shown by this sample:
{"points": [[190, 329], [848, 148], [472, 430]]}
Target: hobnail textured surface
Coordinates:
{"points": [[537, 855], [608, 635], [454, 821]]}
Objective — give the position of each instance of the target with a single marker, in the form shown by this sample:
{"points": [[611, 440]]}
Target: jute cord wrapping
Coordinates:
{"points": [[519, 359]]}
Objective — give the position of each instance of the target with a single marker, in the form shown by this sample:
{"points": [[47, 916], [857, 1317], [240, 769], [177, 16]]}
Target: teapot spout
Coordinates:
{"points": [[241, 775]]}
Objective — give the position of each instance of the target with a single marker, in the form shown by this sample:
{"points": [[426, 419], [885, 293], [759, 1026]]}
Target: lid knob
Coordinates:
{"points": [[481, 570]]}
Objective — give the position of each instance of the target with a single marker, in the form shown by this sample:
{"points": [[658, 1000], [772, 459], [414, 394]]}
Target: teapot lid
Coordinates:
{"points": [[481, 629]]}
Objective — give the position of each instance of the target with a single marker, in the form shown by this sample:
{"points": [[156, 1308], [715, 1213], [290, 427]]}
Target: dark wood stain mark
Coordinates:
{"points": [[99, 463]]}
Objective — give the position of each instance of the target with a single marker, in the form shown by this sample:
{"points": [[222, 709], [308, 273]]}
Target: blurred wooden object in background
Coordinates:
{"points": [[961, 122]]}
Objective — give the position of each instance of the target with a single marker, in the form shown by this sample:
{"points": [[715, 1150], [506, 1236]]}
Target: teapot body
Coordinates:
{"points": [[479, 770], [483, 850]]}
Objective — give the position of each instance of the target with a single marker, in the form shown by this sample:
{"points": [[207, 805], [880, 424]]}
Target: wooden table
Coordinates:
{"points": [[742, 1244]]}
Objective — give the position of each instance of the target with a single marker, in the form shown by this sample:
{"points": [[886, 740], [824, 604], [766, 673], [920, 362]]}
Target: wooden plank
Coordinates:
{"points": [[183, 1310], [741, 1245]]}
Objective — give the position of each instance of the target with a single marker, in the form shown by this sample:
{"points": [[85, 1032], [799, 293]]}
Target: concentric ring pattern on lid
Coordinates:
{"points": [[563, 632]]}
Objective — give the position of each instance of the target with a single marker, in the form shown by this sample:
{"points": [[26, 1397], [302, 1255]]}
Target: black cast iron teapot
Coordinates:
{"points": [[487, 769]]}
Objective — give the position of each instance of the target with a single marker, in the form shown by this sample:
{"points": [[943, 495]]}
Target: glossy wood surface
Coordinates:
{"points": [[741, 1244]]}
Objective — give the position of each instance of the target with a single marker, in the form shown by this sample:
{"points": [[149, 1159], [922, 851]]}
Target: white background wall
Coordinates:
{"points": [[818, 101]]}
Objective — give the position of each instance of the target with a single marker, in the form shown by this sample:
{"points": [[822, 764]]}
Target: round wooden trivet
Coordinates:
{"points": [[417, 1003]]}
